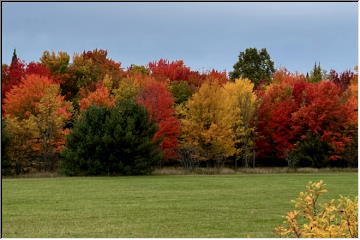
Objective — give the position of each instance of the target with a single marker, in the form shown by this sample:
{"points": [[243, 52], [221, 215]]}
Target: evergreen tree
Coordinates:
{"points": [[108, 141], [316, 74]]}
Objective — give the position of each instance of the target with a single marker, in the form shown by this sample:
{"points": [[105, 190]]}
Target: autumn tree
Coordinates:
{"points": [[243, 107], [207, 124], [50, 120], [294, 111], [12, 75], [139, 69], [89, 68], [100, 97], [57, 63], [158, 101], [174, 71], [255, 65], [35, 114]]}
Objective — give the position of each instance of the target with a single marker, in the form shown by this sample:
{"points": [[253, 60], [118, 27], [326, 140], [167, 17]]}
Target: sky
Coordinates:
{"points": [[203, 35]]}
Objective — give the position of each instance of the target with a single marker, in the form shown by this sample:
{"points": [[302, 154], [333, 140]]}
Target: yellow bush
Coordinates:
{"points": [[335, 219]]}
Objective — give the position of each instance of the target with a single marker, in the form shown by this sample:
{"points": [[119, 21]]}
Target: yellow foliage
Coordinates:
{"points": [[334, 219], [207, 123], [243, 102], [128, 89], [41, 133]]}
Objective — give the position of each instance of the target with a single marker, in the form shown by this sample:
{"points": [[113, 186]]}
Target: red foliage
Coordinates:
{"points": [[292, 108], [177, 71], [159, 102], [216, 77], [324, 113], [174, 71], [343, 80], [11, 76], [37, 68]]}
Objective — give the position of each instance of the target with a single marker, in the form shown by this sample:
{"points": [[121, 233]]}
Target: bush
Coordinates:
{"points": [[312, 152], [6, 165], [110, 141], [334, 219]]}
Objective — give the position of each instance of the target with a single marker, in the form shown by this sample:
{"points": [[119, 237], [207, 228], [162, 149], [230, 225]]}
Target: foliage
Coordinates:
{"points": [[6, 164], [290, 110], [174, 71], [24, 148], [22, 99], [243, 107], [207, 124], [316, 74], [128, 89], [311, 152], [56, 63], [53, 112], [108, 141], [158, 101], [181, 91], [139, 69], [35, 115], [12, 75], [255, 65], [89, 68], [334, 219], [343, 80], [101, 97]]}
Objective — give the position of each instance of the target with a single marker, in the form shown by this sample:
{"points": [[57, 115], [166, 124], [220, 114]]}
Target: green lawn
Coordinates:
{"points": [[157, 206]]}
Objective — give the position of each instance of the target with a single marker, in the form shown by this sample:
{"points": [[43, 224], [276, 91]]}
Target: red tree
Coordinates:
{"points": [[174, 71], [158, 101], [292, 108], [11, 75]]}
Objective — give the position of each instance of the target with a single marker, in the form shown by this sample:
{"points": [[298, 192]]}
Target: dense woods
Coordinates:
{"points": [[86, 115]]}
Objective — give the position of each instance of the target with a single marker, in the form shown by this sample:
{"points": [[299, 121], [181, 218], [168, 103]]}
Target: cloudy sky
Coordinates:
{"points": [[204, 35]]}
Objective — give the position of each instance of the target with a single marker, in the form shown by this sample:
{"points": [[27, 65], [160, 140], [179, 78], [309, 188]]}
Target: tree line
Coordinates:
{"points": [[90, 116]]}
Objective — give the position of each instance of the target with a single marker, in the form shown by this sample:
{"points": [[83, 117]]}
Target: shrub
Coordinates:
{"points": [[108, 141], [337, 218], [6, 165]]}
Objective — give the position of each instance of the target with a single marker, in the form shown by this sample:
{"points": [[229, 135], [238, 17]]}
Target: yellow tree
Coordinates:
{"points": [[243, 103], [207, 124], [50, 120]]}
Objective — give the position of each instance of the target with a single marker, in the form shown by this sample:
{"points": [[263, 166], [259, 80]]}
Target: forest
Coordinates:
{"points": [[87, 115]]}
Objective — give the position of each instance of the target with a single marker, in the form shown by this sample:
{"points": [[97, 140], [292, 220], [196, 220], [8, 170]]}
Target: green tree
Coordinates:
{"points": [[254, 65], [108, 141]]}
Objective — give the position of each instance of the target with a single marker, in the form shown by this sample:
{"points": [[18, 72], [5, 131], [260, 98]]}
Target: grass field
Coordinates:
{"points": [[244, 205]]}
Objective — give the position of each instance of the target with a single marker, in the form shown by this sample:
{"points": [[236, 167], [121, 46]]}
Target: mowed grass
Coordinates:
{"points": [[244, 205]]}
